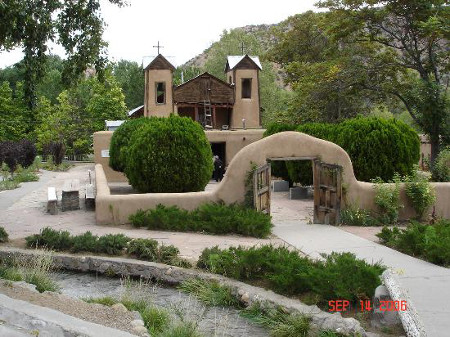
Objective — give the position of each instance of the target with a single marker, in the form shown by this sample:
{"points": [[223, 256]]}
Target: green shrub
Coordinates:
{"points": [[174, 147], [120, 142], [419, 192], [112, 244], [352, 216], [285, 272], [3, 235], [430, 242], [148, 249], [387, 198], [377, 147], [216, 218], [50, 239], [441, 169], [84, 243]]}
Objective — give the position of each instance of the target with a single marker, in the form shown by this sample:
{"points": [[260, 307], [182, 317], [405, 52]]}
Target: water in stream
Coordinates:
{"points": [[212, 321]]}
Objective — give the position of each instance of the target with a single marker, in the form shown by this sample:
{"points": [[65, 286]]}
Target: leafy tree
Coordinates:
{"points": [[409, 59], [12, 122], [75, 25], [130, 77], [106, 103], [320, 70], [80, 111], [189, 72]]}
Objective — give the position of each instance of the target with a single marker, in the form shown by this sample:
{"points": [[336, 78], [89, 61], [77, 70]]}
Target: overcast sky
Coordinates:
{"points": [[184, 28]]}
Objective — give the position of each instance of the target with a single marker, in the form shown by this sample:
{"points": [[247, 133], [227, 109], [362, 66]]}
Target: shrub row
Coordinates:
{"points": [[148, 150], [110, 244], [215, 218], [340, 275], [430, 242], [377, 147], [21, 153]]}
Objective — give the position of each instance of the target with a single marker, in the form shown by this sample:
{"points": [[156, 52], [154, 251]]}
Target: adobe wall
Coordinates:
{"points": [[115, 209], [235, 141], [247, 108], [151, 108]]}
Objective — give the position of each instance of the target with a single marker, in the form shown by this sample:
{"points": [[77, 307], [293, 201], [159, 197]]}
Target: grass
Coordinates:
{"points": [[210, 293], [35, 270], [429, 242], [159, 321], [215, 218], [110, 244]]}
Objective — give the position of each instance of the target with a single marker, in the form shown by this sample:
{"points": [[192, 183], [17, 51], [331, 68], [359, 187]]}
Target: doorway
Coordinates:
{"points": [[303, 189], [219, 149]]}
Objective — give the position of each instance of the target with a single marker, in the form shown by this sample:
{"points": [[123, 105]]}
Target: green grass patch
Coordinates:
{"points": [[35, 270], [429, 242], [215, 218], [340, 275], [209, 292], [110, 244], [107, 300]]}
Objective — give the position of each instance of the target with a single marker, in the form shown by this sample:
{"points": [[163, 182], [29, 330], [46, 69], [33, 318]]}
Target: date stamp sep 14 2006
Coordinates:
{"points": [[366, 305]]}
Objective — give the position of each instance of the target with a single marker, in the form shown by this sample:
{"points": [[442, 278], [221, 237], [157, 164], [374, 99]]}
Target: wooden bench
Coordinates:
{"points": [[90, 197], [52, 201]]}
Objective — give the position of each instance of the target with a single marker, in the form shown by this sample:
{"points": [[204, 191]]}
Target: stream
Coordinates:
{"points": [[212, 321]]}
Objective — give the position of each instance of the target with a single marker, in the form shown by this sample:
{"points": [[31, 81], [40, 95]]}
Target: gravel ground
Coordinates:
{"points": [[96, 313]]}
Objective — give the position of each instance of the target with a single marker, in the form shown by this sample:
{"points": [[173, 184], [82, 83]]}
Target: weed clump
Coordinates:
{"points": [[3, 235]]}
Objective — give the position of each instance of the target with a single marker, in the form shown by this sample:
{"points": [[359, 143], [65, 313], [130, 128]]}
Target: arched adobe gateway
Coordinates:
{"points": [[116, 209], [332, 169]]}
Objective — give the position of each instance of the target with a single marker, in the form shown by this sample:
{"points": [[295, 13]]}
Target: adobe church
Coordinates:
{"points": [[215, 104], [229, 111]]}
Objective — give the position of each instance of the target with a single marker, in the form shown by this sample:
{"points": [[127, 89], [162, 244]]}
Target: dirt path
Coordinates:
{"points": [[107, 316]]}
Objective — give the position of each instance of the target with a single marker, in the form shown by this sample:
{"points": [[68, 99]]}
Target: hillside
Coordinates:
{"points": [[264, 34]]}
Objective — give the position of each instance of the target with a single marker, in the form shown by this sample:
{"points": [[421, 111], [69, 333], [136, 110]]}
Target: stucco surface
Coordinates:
{"points": [[117, 208]]}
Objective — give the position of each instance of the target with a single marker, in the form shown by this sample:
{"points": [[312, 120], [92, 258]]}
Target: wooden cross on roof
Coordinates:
{"points": [[158, 46]]}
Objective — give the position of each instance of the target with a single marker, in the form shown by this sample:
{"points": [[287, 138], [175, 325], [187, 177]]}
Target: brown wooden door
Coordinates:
{"points": [[327, 193], [261, 188]]}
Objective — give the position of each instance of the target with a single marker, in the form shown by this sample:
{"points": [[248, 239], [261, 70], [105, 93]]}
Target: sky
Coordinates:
{"points": [[184, 28]]}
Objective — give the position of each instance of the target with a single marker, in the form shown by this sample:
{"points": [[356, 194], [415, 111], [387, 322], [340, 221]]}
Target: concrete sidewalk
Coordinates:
{"points": [[428, 285]]}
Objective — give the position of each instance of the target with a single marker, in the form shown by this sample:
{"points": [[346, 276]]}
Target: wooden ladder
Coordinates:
{"points": [[208, 123]]}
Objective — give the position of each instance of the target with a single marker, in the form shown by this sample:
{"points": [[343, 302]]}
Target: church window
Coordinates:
{"points": [[246, 88], [160, 93]]}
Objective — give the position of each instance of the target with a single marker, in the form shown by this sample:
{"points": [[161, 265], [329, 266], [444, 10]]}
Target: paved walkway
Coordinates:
{"points": [[428, 285]]}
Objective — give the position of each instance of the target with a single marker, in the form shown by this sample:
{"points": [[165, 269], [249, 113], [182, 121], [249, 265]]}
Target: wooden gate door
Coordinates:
{"points": [[261, 188], [327, 193]]}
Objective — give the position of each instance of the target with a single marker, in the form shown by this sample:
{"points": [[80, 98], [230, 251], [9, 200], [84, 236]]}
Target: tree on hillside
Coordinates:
{"points": [[75, 25], [130, 77], [321, 71], [273, 98], [409, 59]]}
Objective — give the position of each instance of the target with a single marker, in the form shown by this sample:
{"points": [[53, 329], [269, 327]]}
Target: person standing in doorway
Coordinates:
{"points": [[218, 169]]}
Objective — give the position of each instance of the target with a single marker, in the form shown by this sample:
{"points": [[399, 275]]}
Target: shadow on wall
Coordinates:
{"points": [[115, 209]]}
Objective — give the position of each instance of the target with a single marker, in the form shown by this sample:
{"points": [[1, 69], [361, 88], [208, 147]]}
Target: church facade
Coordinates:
{"points": [[215, 104]]}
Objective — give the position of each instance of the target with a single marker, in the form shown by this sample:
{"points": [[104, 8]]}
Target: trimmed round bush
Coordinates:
{"points": [[377, 147], [120, 140], [169, 155]]}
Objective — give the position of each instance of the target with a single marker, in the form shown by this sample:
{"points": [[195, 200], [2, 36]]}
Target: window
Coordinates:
{"points": [[246, 88], [230, 80], [160, 93]]}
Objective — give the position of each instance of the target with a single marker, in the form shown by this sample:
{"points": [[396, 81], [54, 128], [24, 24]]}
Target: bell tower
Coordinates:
{"points": [[243, 72], [158, 98]]}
